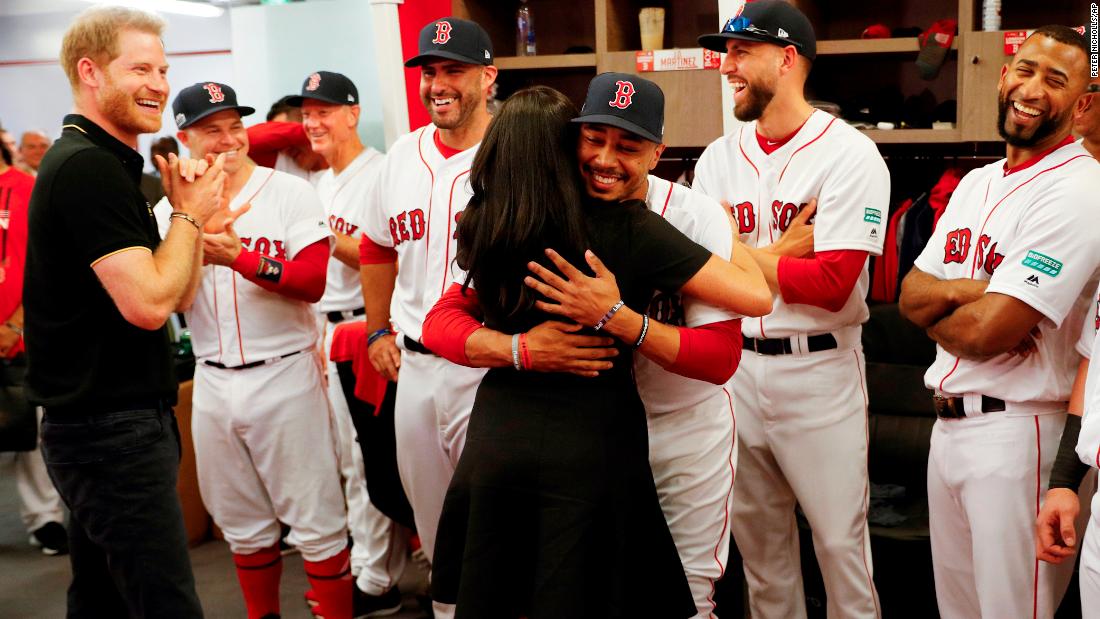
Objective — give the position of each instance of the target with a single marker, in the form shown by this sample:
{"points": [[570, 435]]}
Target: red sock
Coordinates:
{"points": [[331, 581], [259, 575]]}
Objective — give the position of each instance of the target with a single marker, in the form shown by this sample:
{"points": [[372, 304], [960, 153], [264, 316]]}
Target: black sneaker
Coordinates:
{"points": [[52, 538], [363, 605]]}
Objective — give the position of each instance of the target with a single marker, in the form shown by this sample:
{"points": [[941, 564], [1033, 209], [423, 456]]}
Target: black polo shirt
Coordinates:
{"points": [[87, 205]]}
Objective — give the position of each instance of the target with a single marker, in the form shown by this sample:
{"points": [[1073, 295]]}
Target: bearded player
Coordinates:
{"points": [[1003, 287]]}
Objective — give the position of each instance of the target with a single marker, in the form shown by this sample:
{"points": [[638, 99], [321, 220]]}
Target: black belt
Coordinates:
{"points": [[87, 409], [782, 346], [415, 346], [952, 407], [341, 316], [248, 366]]}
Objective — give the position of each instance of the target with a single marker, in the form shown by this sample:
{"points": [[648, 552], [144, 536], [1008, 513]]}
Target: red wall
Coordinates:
{"points": [[413, 15]]}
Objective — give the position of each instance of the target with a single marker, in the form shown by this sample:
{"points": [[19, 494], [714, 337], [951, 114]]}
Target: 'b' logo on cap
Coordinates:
{"points": [[442, 32], [314, 82], [624, 96], [216, 94]]}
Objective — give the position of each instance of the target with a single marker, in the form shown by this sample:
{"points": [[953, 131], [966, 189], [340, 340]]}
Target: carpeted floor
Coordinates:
{"points": [[32, 585]]}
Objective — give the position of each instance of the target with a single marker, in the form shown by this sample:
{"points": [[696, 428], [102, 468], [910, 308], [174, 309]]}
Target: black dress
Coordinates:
{"points": [[552, 512]]}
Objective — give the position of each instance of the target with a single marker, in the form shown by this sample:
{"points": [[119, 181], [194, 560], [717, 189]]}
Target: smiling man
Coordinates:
{"points": [[330, 116], [800, 391], [259, 405], [1003, 287], [99, 285], [422, 189]]}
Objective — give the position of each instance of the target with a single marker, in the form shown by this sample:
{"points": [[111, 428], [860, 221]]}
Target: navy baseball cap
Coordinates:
{"points": [[625, 101], [328, 87], [453, 39], [767, 21], [200, 100]]}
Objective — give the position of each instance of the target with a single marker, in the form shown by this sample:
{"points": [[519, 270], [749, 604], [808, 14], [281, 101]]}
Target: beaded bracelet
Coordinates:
{"points": [[645, 331], [185, 217], [377, 335], [515, 353], [606, 317]]}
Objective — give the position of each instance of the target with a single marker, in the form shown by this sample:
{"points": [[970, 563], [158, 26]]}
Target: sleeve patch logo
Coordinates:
{"points": [[271, 270], [1042, 263], [872, 215]]}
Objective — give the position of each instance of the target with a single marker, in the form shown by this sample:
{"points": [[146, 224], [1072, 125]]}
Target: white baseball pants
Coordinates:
{"points": [[987, 475], [802, 428], [263, 446], [39, 502], [692, 453]]}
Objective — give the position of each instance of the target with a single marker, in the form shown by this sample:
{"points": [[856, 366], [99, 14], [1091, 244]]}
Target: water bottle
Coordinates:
{"points": [[525, 31]]}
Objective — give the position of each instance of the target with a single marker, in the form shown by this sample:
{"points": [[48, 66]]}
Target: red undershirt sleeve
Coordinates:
{"points": [[709, 352], [302, 278], [824, 281], [373, 253], [450, 322], [265, 140]]}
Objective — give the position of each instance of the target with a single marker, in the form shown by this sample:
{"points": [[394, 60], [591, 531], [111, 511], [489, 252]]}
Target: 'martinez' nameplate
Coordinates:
{"points": [[677, 59]]}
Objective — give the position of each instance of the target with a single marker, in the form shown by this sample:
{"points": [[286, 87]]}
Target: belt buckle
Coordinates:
{"points": [[948, 407]]}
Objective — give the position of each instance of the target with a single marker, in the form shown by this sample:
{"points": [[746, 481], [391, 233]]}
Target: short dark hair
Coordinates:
{"points": [[164, 145], [5, 154], [1064, 34], [282, 107]]}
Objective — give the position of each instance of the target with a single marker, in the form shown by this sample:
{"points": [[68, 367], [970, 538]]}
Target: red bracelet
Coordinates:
{"points": [[525, 354]]}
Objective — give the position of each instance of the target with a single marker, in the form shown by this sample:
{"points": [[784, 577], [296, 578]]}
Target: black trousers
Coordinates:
{"points": [[117, 474]]}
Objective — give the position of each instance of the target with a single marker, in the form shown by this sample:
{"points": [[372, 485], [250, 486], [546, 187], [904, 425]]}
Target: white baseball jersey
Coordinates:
{"points": [[415, 207], [233, 321], [702, 220], [345, 197], [286, 163], [1026, 233], [828, 160], [1088, 442]]}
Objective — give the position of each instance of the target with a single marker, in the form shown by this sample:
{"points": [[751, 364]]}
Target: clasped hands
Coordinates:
{"points": [[197, 188]]}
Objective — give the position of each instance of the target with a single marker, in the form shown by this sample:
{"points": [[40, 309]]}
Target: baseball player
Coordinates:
{"points": [[330, 114], [263, 442], [421, 191], [681, 373], [1062, 516], [801, 393], [1008, 259]]}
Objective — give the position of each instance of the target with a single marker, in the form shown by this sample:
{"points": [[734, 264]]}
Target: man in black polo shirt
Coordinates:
{"points": [[100, 285]]}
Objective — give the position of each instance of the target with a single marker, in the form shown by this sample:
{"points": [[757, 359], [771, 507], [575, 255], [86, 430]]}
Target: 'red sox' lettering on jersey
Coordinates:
{"points": [[407, 226], [268, 247]]}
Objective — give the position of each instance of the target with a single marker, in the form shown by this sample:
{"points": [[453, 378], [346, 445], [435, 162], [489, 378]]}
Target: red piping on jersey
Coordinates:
{"points": [[217, 321], [1038, 490], [431, 193], [953, 368], [259, 189], [1037, 175], [450, 218], [726, 517], [741, 147], [867, 485], [668, 199], [974, 258], [802, 147], [237, 316]]}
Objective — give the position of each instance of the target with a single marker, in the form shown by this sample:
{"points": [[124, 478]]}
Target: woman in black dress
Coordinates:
{"points": [[552, 511]]}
